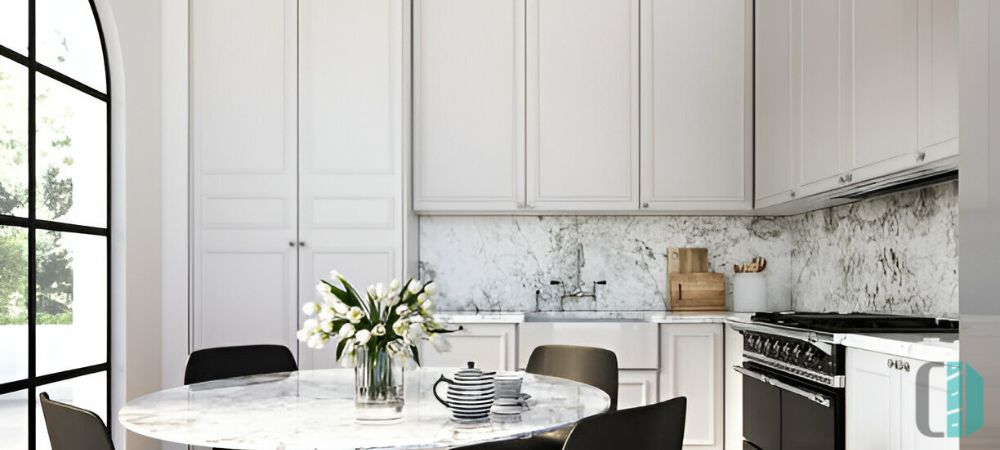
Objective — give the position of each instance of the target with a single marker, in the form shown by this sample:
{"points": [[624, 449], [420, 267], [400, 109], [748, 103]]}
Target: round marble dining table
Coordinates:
{"points": [[314, 409]]}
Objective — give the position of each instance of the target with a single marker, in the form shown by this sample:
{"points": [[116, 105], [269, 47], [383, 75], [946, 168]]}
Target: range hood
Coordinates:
{"points": [[903, 181]]}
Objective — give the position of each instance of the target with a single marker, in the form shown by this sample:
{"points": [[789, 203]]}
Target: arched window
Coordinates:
{"points": [[55, 110]]}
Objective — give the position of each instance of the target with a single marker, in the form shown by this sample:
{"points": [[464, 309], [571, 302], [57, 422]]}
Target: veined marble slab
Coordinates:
{"points": [[315, 410], [895, 254]]}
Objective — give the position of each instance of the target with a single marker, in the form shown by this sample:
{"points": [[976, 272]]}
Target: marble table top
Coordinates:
{"points": [[315, 410]]}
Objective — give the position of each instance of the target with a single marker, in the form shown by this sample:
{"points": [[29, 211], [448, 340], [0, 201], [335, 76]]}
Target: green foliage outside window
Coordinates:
{"points": [[54, 284]]}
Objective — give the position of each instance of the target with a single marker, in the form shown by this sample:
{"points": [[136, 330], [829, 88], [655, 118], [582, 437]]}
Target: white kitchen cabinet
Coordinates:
{"points": [[774, 144], [490, 346], [937, 78], [823, 77], [884, 91], [243, 173], [298, 135], [636, 388], [582, 104], [350, 146], [691, 357], [469, 101], [880, 398], [697, 149], [733, 382], [848, 92]]}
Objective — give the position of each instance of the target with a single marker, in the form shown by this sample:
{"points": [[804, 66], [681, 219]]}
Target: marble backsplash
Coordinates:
{"points": [[897, 253]]}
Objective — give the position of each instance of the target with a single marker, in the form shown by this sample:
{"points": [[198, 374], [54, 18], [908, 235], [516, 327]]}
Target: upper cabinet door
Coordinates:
{"points": [[696, 118], [773, 119], [243, 141], [938, 78], [885, 81], [823, 77], [468, 82], [583, 104], [351, 89]]}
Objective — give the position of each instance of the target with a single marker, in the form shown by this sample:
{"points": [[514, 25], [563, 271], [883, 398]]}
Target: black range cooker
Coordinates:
{"points": [[793, 374]]}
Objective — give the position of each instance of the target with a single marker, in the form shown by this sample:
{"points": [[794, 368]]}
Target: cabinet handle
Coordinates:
{"points": [[291, 243], [891, 364], [841, 180], [645, 205], [921, 156], [849, 177], [792, 194], [302, 243], [906, 366]]}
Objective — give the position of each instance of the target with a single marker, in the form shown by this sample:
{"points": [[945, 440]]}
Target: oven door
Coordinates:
{"points": [[781, 412]]}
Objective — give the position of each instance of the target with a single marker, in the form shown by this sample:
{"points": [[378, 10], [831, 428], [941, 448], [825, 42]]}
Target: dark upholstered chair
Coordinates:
{"points": [[597, 367], [227, 362], [653, 427], [72, 428]]}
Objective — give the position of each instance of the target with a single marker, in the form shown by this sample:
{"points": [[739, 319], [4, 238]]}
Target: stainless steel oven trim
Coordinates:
{"points": [[816, 398], [836, 381]]}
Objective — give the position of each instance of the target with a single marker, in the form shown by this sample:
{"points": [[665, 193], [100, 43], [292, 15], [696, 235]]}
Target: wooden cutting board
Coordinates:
{"points": [[704, 291], [687, 260]]}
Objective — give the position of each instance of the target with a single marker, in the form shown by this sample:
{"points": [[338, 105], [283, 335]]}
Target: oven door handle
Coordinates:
{"points": [[817, 398]]}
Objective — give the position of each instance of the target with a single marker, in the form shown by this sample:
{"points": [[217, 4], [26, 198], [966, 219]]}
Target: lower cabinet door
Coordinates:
{"points": [[636, 388], [691, 366], [490, 346]]}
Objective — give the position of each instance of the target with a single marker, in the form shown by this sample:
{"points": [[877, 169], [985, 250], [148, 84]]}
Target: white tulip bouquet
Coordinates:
{"points": [[390, 318]]}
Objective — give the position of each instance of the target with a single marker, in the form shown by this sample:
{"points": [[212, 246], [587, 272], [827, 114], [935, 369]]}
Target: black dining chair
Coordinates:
{"points": [[597, 367], [238, 361], [72, 428], [655, 427]]}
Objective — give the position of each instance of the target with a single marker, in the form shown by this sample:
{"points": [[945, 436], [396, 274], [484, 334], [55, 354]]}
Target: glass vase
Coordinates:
{"points": [[378, 380]]}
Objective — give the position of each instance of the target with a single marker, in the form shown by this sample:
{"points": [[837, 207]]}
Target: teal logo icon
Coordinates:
{"points": [[964, 403]]}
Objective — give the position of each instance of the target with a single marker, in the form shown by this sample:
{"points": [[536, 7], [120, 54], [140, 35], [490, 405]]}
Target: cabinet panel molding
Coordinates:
{"points": [[691, 358], [469, 102], [582, 104]]}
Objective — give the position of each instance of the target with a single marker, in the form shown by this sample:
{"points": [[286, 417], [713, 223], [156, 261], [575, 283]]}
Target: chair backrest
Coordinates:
{"points": [[597, 367], [72, 428], [227, 362], [654, 427]]}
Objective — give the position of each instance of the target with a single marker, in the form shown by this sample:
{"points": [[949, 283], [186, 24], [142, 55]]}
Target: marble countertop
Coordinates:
{"points": [[315, 409], [935, 347], [925, 347], [593, 316]]}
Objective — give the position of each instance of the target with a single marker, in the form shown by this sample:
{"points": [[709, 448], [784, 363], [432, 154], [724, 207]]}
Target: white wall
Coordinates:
{"points": [[132, 30], [979, 206]]}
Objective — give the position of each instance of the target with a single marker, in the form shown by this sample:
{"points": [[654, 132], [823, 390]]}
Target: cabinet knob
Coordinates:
{"points": [[849, 177], [921, 156], [906, 366], [791, 194], [302, 243], [291, 243], [645, 204], [891, 364]]}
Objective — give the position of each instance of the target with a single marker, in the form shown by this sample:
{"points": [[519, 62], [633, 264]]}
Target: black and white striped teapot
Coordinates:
{"points": [[470, 394]]}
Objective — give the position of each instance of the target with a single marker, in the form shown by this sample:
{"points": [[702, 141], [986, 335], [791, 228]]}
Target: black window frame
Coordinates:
{"points": [[32, 225]]}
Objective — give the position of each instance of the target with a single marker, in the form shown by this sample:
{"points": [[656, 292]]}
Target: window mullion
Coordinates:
{"points": [[32, 254]]}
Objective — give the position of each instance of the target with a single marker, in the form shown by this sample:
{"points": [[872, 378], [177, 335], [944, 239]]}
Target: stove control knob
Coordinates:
{"points": [[786, 349], [810, 356], [797, 352]]}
